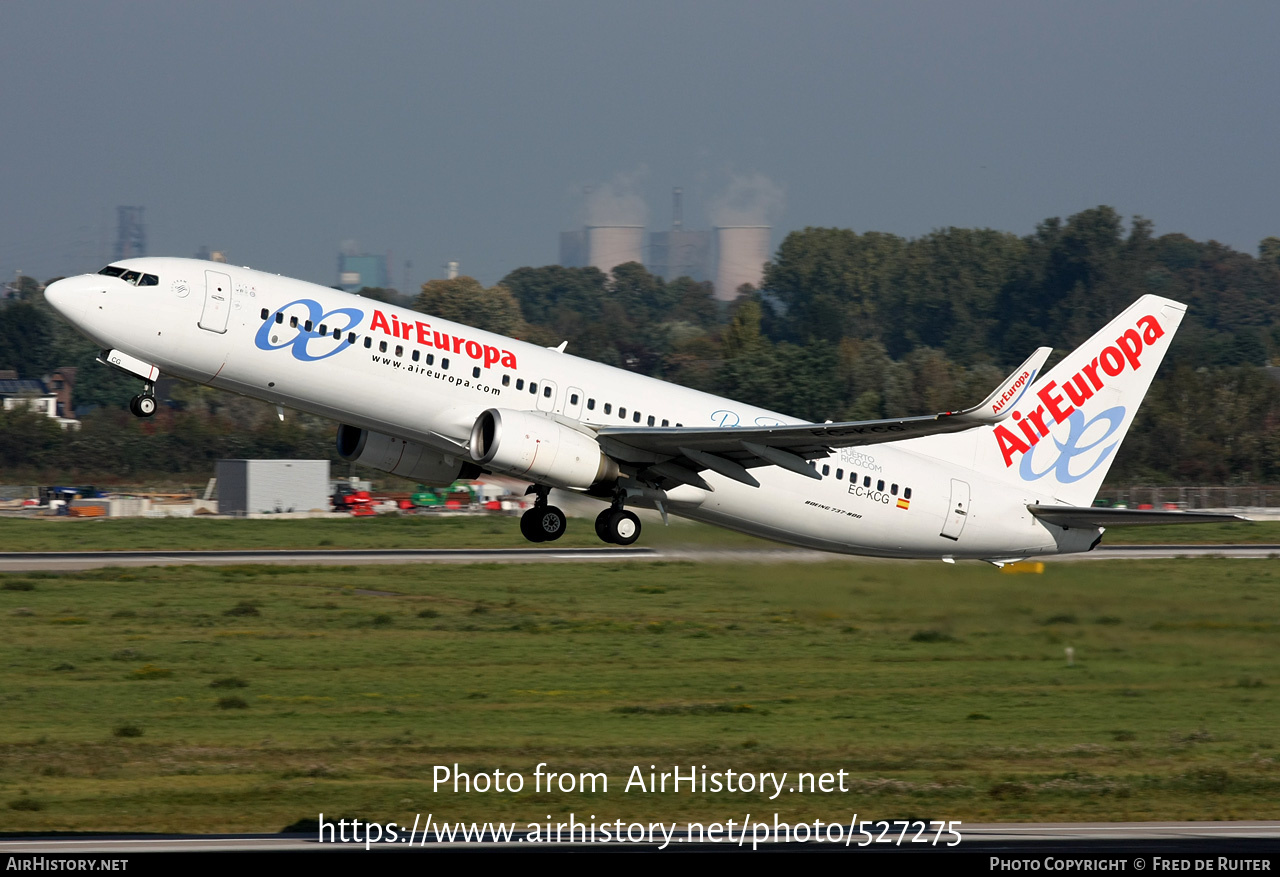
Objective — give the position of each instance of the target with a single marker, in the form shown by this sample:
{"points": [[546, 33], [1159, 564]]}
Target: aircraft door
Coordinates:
{"points": [[957, 511], [573, 405], [217, 302], [546, 395]]}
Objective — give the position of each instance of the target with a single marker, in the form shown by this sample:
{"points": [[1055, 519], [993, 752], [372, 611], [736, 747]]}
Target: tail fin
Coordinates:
{"points": [[1061, 437]]}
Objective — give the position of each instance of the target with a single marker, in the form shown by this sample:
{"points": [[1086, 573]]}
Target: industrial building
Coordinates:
{"points": [[254, 487]]}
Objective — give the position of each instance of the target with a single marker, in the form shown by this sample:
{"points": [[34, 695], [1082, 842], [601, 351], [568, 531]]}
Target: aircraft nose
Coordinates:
{"points": [[68, 297]]}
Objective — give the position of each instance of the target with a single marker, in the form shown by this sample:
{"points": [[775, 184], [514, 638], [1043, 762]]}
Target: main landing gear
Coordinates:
{"points": [[144, 404], [617, 525], [543, 522]]}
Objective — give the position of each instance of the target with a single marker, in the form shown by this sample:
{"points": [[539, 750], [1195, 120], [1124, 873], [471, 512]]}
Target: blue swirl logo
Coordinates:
{"points": [[1071, 448], [301, 339]]}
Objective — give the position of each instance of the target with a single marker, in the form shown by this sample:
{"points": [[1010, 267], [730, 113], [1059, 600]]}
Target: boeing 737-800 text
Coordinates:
{"points": [[431, 400]]}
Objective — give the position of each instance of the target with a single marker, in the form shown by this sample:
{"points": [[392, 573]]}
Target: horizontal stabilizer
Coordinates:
{"points": [[1084, 516]]}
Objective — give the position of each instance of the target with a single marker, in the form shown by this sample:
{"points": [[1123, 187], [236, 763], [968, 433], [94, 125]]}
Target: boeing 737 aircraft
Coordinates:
{"points": [[431, 400]]}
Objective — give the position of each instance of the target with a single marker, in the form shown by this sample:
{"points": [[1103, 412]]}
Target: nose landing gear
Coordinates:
{"points": [[144, 404]]}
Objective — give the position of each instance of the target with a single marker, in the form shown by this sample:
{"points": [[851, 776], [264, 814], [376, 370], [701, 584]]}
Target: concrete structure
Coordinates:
{"points": [[358, 271], [609, 246], [741, 253], [679, 253], [247, 487]]}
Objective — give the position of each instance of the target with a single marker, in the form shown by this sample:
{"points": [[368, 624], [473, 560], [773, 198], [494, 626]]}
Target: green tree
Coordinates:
{"points": [[465, 300]]}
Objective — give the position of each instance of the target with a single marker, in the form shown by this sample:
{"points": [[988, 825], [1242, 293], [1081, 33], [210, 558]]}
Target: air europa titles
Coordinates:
{"points": [[442, 341], [1092, 377]]}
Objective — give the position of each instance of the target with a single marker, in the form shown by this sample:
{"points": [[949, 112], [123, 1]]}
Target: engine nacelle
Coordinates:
{"points": [[399, 457], [528, 445]]}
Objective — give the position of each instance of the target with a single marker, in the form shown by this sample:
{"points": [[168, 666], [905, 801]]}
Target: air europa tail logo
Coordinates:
{"points": [[487, 354], [1059, 404]]}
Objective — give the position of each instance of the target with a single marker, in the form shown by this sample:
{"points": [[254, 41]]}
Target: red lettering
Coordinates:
{"points": [[405, 329], [442, 341], [1079, 390], [1092, 371], [1025, 426], [1037, 417], [424, 337], [1112, 361], [1009, 443], [490, 355], [380, 322], [1052, 401], [1151, 330], [457, 344], [1132, 348], [508, 359], [474, 349]]}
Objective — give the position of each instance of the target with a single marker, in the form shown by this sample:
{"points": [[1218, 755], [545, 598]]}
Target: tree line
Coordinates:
{"points": [[846, 325]]}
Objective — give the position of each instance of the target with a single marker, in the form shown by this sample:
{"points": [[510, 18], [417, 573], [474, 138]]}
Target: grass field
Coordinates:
{"points": [[432, 531], [246, 698]]}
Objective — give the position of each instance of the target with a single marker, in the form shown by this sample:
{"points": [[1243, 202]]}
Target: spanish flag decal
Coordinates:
{"points": [[904, 503]]}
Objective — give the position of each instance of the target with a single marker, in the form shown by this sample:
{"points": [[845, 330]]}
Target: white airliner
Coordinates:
{"points": [[431, 400]]}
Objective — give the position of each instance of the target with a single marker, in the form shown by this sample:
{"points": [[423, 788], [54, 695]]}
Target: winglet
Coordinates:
{"points": [[999, 404]]}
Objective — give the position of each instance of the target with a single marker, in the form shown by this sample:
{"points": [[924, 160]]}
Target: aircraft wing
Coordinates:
{"points": [[1087, 517], [679, 453]]}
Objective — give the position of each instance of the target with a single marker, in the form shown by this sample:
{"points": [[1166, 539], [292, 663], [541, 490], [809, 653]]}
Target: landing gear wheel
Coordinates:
{"points": [[621, 528], [529, 527], [543, 523], [143, 405], [602, 524]]}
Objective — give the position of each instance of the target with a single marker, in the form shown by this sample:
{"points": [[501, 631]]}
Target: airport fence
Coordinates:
{"points": [[1233, 496]]}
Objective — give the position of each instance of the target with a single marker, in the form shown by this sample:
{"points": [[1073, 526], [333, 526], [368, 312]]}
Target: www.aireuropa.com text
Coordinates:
{"points": [[743, 832]]}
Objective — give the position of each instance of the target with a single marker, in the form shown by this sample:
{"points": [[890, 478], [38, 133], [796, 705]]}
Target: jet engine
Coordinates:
{"points": [[399, 457], [532, 446]]}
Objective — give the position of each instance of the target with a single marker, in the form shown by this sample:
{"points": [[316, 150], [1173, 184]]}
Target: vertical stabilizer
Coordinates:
{"points": [[1062, 435]]}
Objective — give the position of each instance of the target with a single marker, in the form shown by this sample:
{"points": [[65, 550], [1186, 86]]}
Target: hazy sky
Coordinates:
{"points": [[468, 130]]}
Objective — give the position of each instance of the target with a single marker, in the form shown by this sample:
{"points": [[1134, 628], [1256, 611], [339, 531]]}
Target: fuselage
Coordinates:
{"points": [[423, 379]]}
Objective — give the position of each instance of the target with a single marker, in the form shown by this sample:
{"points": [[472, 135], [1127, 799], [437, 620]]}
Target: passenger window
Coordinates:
{"points": [[622, 413], [608, 408], [506, 380], [444, 363], [368, 342], [893, 488], [533, 387], [351, 338], [826, 469], [264, 313], [664, 422], [573, 398], [279, 316], [635, 417], [519, 383], [839, 475], [323, 330], [382, 347], [866, 480], [591, 404], [431, 357], [650, 421], [417, 354], [880, 486], [293, 322], [679, 424], [306, 327], [853, 477], [546, 391], [399, 350], [906, 493], [475, 372]]}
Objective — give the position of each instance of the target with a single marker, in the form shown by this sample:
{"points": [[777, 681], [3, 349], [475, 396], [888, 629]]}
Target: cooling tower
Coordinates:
{"points": [[608, 246], [741, 252]]}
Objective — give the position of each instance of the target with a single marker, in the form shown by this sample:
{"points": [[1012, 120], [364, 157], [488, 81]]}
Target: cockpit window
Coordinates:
{"points": [[137, 278]]}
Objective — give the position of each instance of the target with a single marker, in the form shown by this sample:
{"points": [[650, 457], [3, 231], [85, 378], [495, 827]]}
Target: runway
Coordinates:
{"points": [[1238, 839], [53, 561]]}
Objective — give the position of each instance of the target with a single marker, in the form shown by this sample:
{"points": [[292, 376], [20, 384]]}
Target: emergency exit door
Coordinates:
{"points": [[957, 511]]}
